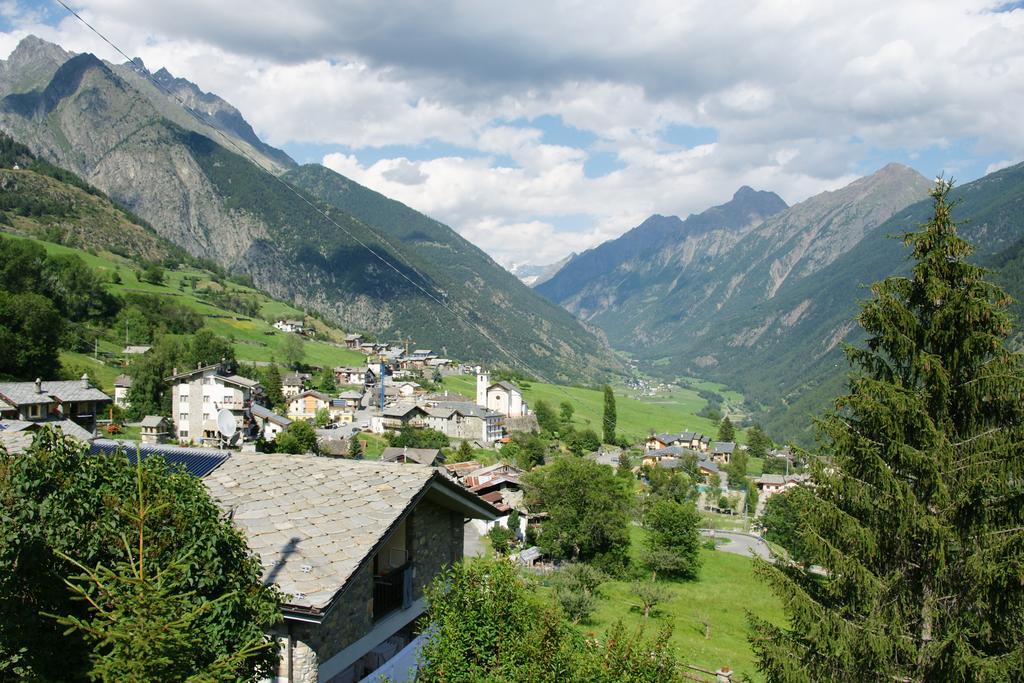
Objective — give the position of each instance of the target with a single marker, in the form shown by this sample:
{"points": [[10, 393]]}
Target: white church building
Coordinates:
{"points": [[501, 397]]}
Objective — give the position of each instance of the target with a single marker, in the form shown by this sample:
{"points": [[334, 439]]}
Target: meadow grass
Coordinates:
{"points": [[637, 416]]}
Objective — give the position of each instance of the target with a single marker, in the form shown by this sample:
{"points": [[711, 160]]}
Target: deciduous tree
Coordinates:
{"points": [[589, 511], [672, 546]]}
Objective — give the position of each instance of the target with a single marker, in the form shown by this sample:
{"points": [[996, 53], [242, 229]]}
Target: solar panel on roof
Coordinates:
{"points": [[197, 461]]}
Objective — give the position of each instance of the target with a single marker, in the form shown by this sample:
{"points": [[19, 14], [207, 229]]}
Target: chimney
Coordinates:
{"points": [[174, 371], [85, 380], [39, 385]]}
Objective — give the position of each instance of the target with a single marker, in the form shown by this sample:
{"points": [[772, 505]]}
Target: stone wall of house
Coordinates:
{"points": [[434, 535], [347, 622], [434, 539]]}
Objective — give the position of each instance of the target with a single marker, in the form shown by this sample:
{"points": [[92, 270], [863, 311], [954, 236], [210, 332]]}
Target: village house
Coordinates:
{"points": [[440, 364], [353, 341], [432, 457], [293, 384], [418, 359], [404, 388], [356, 570], [344, 407], [76, 400], [199, 395], [27, 430], [501, 486], [155, 429], [656, 442], [458, 470], [770, 484], [501, 397], [350, 375], [305, 405], [133, 352], [652, 458], [291, 326], [270, 423], [722, 452], [458, 420], [708, 470], [692, 440], [395, 416], [122, 385]]}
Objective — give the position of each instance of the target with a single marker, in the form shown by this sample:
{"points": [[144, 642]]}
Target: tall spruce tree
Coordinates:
{"points": [[610, 417], [919, 521]]}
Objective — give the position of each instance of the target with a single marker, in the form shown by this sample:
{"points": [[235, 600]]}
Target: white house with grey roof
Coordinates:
{"points": [[354, 543], [76, 400], [199, 395], [502, 397], [270, 423]]}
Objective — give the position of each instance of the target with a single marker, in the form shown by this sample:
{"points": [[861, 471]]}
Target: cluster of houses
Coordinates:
{"points": [[356, 570]]}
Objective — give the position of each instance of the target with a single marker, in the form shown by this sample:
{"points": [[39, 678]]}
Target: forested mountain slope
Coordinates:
{"points": [[98, 121]]}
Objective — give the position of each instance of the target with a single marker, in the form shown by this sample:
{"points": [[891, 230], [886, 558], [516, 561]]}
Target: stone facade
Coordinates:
{"points": [[434, 535], [434, 540]]}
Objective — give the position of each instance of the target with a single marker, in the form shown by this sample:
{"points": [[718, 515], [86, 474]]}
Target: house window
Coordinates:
{"points": [[35, 411], [206, 398], [183, 416], [183, 433], [183, 398]]}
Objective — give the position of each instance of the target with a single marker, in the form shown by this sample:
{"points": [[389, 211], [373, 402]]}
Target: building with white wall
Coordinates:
{"points": [[199, 395], [501, 397]]}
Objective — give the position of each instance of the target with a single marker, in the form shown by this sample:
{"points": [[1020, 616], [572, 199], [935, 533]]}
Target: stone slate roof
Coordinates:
{"points": [[423, 456], [401, 409], [24, 393], [15, 442], [669, 452], [465, 408], [315, 521], [724, 447], [123, 381], [4, 405], [152, 421], [508, 386], [265, 413], [68, 427]]}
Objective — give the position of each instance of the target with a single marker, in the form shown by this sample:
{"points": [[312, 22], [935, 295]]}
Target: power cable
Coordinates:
{"points": [[301, 196]]}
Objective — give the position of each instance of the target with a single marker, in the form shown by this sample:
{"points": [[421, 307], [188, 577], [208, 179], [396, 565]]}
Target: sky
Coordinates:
{"points": [[539, 128]]}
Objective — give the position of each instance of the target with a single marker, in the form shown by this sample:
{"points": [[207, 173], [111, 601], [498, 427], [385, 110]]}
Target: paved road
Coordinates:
{"points": [[741, 544]]}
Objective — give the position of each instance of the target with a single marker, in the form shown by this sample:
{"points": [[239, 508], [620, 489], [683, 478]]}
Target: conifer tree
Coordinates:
{"points": [[610, 417], [918, 521], [726, 432]]}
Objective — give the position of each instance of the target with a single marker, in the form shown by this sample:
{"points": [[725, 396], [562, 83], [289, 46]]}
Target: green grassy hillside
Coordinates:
{"points": [[723, 594], [254, 337], [637, 416]]}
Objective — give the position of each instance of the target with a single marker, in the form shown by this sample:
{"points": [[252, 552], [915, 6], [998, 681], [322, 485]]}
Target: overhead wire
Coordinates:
{"points": [[142, 70]]}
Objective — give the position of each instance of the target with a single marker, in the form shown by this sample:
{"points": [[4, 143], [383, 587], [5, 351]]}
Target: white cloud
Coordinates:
{"points": [[998, 166], [796, 91]]}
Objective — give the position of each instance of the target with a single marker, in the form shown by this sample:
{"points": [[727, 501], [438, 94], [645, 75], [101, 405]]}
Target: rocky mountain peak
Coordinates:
{"points": [[34, 49]]}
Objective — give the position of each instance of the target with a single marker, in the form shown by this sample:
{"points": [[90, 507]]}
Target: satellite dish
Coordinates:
{"points": [[226, 423]]}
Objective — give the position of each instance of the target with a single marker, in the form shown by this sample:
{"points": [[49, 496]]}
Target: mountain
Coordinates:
{"points": [[43, 201], [120, 133], [807, 367], [599, 278], [533, 275], [766, 309], [703, 296]]}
